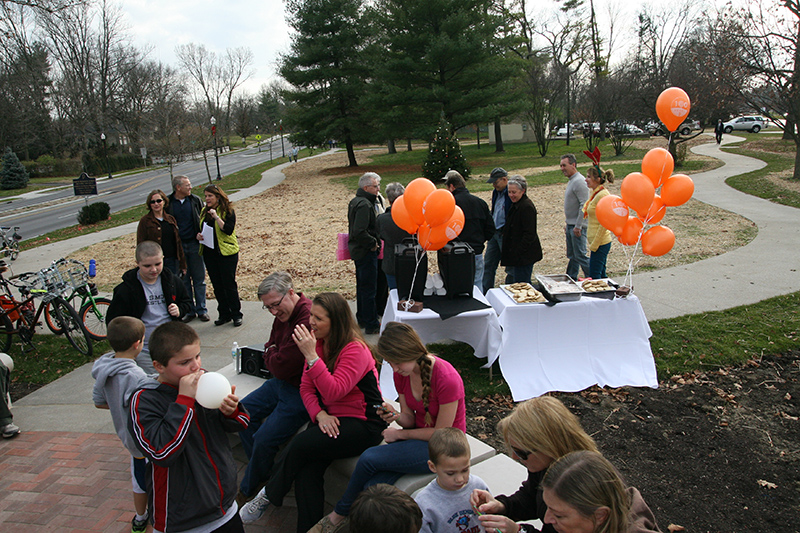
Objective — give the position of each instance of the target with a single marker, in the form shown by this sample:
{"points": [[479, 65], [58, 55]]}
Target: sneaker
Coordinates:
{"points": [[187, 319], [326, 526], [254, 509], [139, 526], [9, 430], [203, 317]]}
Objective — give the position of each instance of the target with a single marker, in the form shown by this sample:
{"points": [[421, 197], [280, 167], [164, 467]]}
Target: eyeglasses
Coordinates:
{"points": [[521, 454], [273, 307], [156, 201]]}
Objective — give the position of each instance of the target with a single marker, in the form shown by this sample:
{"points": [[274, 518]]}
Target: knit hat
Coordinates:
{"points": [[496, 175]]}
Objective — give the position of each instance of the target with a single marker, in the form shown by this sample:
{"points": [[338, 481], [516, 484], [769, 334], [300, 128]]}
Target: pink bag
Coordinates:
{"points": [[342, 251]]}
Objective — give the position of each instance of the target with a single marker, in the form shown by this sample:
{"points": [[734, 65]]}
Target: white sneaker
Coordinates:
{"points": [[9, 430], [254, 509]]}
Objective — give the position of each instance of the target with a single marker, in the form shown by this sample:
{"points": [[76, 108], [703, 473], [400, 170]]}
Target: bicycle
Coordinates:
{"points": [[47, 285], [92, 309], [9, 246]]}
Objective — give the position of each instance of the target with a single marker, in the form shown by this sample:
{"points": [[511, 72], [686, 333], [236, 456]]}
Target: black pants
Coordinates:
{"points": [[305, 460], [222, 273]]}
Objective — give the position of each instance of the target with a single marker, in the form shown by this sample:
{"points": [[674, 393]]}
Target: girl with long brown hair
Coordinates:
{"points": [[431, 396]]}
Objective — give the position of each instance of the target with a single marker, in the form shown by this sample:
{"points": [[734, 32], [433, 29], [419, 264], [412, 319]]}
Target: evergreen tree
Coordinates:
{"points": [[444, 154], [13, 175]]}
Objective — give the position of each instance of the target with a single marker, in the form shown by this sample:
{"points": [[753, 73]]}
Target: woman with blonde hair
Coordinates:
{"points": [[431, 396], [598, 238], [537, 433], [159, 226], [584, 493]]}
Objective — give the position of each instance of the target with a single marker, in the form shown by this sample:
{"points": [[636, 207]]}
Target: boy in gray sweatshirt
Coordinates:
{"points": [[117, 376]]}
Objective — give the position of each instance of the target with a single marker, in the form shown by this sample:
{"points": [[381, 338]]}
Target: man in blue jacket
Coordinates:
{"points": [[501, 203]]}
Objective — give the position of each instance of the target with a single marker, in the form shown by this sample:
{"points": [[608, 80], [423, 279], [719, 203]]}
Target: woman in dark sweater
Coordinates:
{"points": [[521, 246], [160, 227]]}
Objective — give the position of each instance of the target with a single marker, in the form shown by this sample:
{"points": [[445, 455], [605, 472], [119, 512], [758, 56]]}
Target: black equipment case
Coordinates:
{"points": [[457, 267], [405, 259]]}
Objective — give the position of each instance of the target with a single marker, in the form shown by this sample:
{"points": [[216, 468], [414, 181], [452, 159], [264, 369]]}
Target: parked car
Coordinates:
{"points": [[657, 128], [562, 131], [749, 123]]}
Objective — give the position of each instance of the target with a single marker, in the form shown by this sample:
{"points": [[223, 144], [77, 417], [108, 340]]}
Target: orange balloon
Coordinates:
{"points": [[402, 218], [427, 240], [657, 164], [632, 232], [656, 212], [638, 192], [449, 231], [415, 195], [438, 207], [612, 213], [657, 241], [673, 107], [677, 190], [433, 246]]}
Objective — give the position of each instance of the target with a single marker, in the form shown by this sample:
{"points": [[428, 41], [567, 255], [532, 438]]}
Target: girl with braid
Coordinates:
{"points": [[431, 396]]}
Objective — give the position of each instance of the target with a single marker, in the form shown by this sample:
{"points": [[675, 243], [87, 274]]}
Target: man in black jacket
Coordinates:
{"points": [[364, 244], [478, 222], [151, 293], [185, 207]]}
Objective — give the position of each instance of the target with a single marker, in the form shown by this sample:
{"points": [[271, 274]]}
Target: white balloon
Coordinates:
{"points": [[7, 361], [212, 388]]}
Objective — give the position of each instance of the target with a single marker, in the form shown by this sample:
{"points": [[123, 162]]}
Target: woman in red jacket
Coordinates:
{"points": [[339, 388]]}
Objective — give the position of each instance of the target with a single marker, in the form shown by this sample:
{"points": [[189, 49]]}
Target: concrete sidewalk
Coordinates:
{"points": [[68, 472]]}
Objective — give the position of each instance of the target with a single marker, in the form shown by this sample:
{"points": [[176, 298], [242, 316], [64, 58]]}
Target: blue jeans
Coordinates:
{"points": [[285, 413], [384, 464], [491, 260], [195, 279], [173, 265], [597, 261], [366, 289], [391, 281], [478, 271], [520, 274], [576, 252]]}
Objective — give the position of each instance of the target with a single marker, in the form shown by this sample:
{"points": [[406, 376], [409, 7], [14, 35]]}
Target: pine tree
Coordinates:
{"points": [[13, 175], [444, 154]]}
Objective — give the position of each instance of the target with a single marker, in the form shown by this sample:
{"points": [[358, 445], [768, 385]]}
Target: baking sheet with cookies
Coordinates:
{"points": [[523, 293], [600, 288]]}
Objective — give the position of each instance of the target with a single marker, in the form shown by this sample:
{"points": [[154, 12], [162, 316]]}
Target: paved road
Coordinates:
{"points": [[41, 212]]}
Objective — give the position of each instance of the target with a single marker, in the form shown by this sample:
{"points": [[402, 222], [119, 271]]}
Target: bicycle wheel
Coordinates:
{"points": [[50, 319], [73, 327], [94, 318], [6, 327]]}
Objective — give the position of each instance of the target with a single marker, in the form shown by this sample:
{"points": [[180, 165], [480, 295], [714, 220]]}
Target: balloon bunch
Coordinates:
{"points": [[429, 213], [638, 190]]}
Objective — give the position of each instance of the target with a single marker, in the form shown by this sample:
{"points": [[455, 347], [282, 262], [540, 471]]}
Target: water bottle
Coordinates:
{"points": [[236, 354], [92, 268]]}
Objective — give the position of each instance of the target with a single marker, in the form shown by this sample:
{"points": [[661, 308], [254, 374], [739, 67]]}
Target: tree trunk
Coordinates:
{"points": [[498, 136], [351, 153], [796, 175], [391, 147], [409, 144], [788, 128], [478, 134]]}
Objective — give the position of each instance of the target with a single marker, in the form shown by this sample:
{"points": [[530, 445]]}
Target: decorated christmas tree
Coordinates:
{"points": [[13, 175], [444, 154]]}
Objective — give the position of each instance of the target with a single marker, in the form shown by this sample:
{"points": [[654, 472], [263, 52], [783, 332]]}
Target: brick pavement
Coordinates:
{"points": [[80, 482]]}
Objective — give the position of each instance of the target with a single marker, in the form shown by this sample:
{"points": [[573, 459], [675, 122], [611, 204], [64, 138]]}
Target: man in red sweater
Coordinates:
{"points": [[276, 409]]}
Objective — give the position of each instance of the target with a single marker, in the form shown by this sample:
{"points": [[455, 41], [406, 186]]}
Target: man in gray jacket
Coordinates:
{"points": [[574, 197], [363, 244]]}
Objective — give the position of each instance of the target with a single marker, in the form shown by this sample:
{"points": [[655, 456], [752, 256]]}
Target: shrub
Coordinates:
{"points": [[94, 213], [13, 175], [444, 154]]}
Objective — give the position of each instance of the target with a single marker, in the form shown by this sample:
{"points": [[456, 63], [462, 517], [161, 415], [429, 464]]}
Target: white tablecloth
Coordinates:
{"points": [[480, 329], [573, 345]]}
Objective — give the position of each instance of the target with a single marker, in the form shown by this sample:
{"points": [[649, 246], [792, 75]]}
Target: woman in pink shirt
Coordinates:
{"points": [[339, 388], [431, 395]]}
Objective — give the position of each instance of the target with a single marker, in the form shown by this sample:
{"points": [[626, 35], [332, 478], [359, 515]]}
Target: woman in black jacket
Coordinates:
{"points": [[521, 246]]}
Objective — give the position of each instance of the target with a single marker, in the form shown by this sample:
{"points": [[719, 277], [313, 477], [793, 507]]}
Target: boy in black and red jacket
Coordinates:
{"points": [[191, 479]]}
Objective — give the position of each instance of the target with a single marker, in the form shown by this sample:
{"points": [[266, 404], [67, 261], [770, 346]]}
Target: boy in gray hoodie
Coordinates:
{"points": [[117, 376]]}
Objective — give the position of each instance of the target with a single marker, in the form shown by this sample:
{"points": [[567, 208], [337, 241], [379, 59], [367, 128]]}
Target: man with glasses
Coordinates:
{"points": [[185, 207], [363, 244], [276, 409]]}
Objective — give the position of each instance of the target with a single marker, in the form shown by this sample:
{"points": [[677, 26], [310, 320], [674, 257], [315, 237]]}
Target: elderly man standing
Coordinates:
{"points": [[185, 207], [501, 203], [364, 244], [478, 222], [574, 197], [276, 408]]}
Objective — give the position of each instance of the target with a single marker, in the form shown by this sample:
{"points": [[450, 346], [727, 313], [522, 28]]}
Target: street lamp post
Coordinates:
{"points": [[272, 129], [214, 134], [283, 150], [258, 139], [105, 151], [179, 146]]}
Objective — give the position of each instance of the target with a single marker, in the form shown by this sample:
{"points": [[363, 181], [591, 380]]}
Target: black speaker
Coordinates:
{"points": [[457, 267], [253, 362], [405, 261]]}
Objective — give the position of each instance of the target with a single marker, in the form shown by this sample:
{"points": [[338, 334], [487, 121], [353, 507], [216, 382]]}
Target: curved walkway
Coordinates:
{"points": [[766, 267]]}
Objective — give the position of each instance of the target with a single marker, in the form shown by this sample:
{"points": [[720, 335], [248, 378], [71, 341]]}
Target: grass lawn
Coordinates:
{"points": [[779, 156]]}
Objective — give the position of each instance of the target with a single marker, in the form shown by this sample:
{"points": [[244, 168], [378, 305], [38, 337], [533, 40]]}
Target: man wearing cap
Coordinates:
{"points": [[478, 223], [501, 203], [575, 196]]}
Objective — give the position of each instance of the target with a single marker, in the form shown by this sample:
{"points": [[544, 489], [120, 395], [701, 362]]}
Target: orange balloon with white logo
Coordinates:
{"points": [[673, 107], [612, 213]]}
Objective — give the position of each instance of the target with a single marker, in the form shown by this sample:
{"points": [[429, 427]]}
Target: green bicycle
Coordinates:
{"points": [[91, 309]]}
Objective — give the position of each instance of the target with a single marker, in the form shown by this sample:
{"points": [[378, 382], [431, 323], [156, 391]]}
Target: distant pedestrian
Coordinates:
{"points": [[718, 130]]}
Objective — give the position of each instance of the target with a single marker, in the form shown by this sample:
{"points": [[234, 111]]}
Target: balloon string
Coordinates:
{"points": [[409, 303]]}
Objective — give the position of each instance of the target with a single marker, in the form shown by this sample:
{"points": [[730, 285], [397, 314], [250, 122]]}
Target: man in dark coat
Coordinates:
{"points": [[478, 222], [500, 206], [363, 244]]}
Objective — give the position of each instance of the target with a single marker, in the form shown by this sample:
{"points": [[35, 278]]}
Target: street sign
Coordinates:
{"points": [[258, 137], [84, 185]]}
